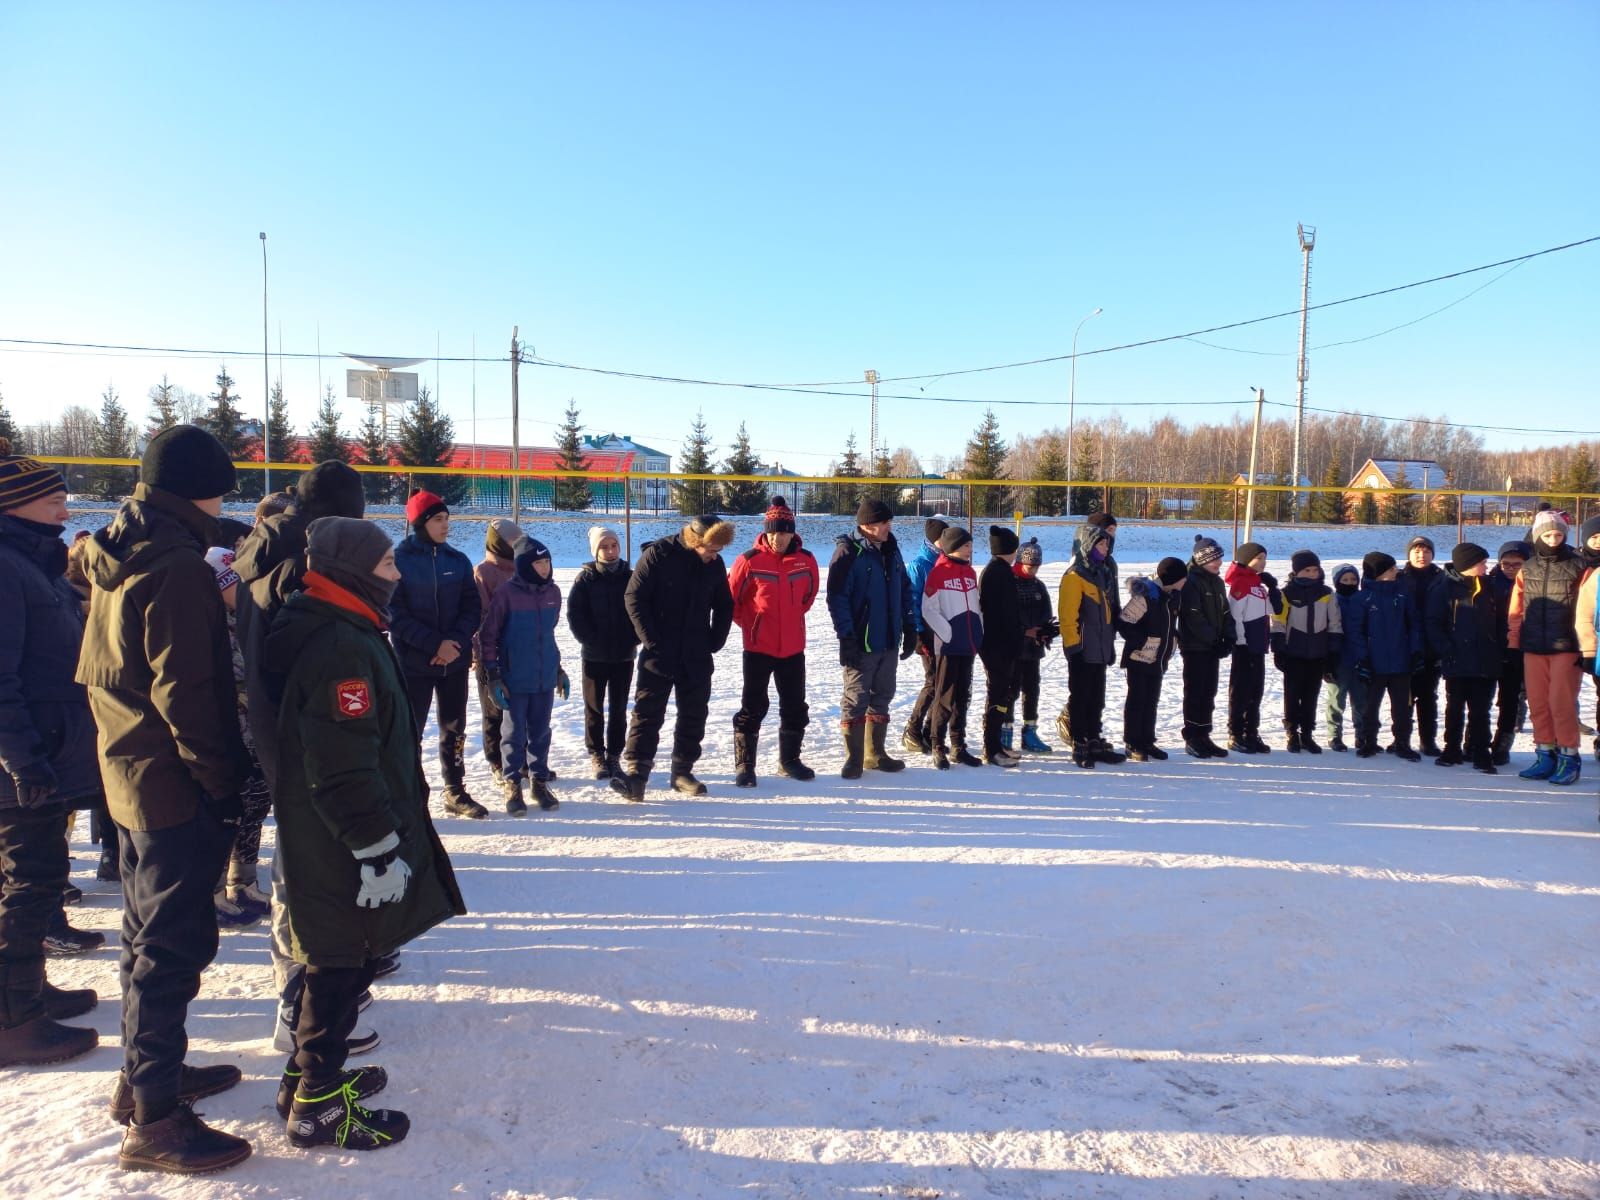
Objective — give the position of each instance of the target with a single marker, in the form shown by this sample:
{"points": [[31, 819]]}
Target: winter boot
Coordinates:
{"points": [[62, 1004], [789, 763], [915, 741], [1430, 747], [180, 1143], [1336, 743], [458, 804], [1451, 756], [516, 806], [1501, 754], [1064, 729], [1031, 742], [544, 796], [685, 784], [368, 1081], [1104, 752], [1137, 754], [630, 784], [1239, 744], [1484, 761], [855, 737], [602, 766], [941, 759], [1544, 764], [1257, 746], [1156, 753], [28, 1034], [965, 757], [1404, 751], [744, 760], [1569, 765], [1293, 736], [194, 1083], [875, 756], [231, 915], [110, 868], [1007, 732], [1004, 758], [613, 766], [1211, 748], [1308, 743], [332, 1115], [1082, 756]]}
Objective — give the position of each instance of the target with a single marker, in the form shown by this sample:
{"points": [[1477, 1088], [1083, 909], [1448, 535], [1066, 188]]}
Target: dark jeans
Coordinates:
{"points": [[1000, 690], [922, 708], [490, 718], [1469, 699], [1139, 709], [952, 692], [33, 870], [1086, 698], [650, 712], [1425, 699], [526, 737], [1247, 679], [169, 935], [1302, 684], [794, 714], [1398, 689], [1028, 690], [452, 693], [605, 683], [1509, 701], [329, 1004], [1202, 671]]}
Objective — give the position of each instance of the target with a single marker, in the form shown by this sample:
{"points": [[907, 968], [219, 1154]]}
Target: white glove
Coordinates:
{"points": [[384, 874]]}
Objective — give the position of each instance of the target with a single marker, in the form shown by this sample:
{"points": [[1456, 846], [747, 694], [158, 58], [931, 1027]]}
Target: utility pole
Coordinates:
{"points": [[1072, 407], [266, 380], [1308, 240], [872, 431], [516, 443], [1255, 445]]}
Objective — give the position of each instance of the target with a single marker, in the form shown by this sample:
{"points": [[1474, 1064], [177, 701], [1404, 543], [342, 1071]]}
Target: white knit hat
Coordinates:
{"points": [[1549, 519], [598, 534]]}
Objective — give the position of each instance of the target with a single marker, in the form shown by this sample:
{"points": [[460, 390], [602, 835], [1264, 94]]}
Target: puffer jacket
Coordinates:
{"points": [[489, 575], [1387, 633], [1087, 603], [917, 572], [1309, 623], [597, 614], [1205, 619], [950, 608], [1002, 613], [772, 594], [158, 666], [518, 637], [680, 608], [1544, 603], [1148, 624], [1419, 583], [45, 728], [1466, 625], [1588, 597], [869, 594], [437, 601], [1252, 599]]}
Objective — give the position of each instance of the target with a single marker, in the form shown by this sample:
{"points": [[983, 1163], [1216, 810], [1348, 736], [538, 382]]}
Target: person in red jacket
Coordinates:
{"points": [[774, 584]]}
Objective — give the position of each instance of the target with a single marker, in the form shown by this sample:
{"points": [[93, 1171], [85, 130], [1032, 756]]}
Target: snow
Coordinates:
{"points": [[1281, 976]]}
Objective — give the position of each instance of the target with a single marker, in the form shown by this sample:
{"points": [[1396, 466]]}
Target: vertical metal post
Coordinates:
{"points": [[627, 515], [1308, 240], [266, 380], [1255, 447], [1235, 519], [872, 431], [516, 441], [1461, 519], [1072, 407]]}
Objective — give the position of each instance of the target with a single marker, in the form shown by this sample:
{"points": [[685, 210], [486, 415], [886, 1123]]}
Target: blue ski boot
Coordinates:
{"points": [[1031, 742], [1568, 767], [1544, 764], [1006, 735]]}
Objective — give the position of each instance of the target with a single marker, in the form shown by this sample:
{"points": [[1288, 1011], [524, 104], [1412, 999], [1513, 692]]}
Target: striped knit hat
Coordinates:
{"points": [[24, 480]]}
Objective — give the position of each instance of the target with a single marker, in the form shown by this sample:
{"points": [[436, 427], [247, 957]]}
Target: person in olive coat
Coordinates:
{"points": [[364, 869]]}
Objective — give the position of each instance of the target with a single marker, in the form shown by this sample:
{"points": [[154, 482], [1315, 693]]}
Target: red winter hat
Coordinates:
{"points": [[422, 505], [779, 519]]}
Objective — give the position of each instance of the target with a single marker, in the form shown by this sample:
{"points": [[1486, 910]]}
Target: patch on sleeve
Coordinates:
{"points": [[352, 698]]}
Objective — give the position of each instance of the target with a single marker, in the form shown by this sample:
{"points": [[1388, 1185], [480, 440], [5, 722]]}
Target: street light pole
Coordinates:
{"points": [[1072, 406], [266, 380]]}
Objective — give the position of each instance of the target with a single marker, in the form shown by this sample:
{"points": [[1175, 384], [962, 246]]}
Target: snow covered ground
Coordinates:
{"points": [[1283, 976]]}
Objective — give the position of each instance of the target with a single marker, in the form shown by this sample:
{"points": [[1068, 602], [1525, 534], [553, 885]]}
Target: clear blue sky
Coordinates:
{"points": [[796, 192]]}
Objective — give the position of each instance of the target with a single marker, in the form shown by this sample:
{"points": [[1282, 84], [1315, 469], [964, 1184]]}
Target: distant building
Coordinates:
{"points": [[647, 493], [1421, 473]]}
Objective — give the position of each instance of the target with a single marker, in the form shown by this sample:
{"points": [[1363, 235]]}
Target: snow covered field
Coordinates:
{"points": [[1281, 976]]}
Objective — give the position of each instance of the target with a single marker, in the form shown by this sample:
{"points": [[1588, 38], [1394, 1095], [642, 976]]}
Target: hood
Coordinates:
{"points": [[1085, 540], [1382, 585], [146, 528], [273, 542], [1341, 569], [857, 538]]}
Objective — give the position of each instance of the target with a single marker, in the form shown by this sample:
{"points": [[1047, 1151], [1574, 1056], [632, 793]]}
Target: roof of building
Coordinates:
{"points": [[1417, 471], [622, 441]]}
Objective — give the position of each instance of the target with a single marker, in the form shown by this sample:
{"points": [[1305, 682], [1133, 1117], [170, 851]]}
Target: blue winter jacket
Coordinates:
{"points": [[869, 597], [1387, 631], [519, 634], [917, 572], [436, 601]]}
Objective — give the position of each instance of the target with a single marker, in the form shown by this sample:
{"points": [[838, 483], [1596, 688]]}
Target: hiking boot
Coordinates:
{"points": [[332, 1115], [1031, 741], [602, 766], [1451, 757], [1309, 744], [367, 1081], [180, 1143], [915, 741], [1336, 744], [1568, 768], [516, 806], [42, 1040], [544, 796], [63, 938], [1293, 737], [941, 759], [1103, 751], [194, 1083], [966, 758], [685, 784], [629, 786], [1543, 766], [62, 1004], [855, 740], [875, 757], [458, 804]]}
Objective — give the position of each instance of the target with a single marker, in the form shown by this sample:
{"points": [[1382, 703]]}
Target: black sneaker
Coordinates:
{"points": [[333, 1116], [546, 798], [459, 804], [386, 964], [180, 1144], [71, 894], [687, 785], [64, 939], [367, 1081], [194, 1083]]}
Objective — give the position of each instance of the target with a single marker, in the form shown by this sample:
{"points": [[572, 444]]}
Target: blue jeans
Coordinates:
{"points": [[525, 733]]}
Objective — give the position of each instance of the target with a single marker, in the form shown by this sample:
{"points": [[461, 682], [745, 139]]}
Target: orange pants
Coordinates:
{"points": [[1552, 682]]}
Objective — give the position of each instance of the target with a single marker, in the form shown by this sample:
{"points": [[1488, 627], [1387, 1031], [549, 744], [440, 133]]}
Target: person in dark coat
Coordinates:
{"points": [[1419, 576], [48, 763], [436, 612], [1088, 606], [597, 614], [1003, 639], [1511, 702], [871, 604], [1206, 637], [1386, 647], [500, 538], [918, 735], [1307, 643], [1148, 623], [364, 868], [1039, 629], [679, 604], [774, 585], [1467, 626], [159, 671], [1345, 691]]}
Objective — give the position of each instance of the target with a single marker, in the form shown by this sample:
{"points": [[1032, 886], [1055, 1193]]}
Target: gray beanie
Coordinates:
{"points": [[345, 550]]}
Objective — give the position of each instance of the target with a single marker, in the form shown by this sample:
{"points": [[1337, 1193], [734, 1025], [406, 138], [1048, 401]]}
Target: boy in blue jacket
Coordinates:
{"points": [[1386, 646], [523, 666], [918, 735]]}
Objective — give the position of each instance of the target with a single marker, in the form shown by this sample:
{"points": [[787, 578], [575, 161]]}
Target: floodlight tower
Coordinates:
{"points": [[872, 426], [1308, 241], [378, 373]]}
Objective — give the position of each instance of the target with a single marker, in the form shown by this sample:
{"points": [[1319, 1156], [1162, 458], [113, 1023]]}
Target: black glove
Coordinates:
{"points": [[1280, 660], [908, 643], [1267, 579], [849, 653], [35, 785], [1418, 661], [228, 809], [1364, 671]]}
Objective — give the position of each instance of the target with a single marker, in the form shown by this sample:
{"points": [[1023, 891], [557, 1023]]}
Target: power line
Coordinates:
{"points": [[1340, 412]]}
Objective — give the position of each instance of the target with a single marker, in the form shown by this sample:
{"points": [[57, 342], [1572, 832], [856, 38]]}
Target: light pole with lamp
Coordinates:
{"points": [[266, 381], [1072, 406]]}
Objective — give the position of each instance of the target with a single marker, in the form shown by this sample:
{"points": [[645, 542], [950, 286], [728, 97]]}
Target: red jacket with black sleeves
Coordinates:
{"points": [[772, 594]]}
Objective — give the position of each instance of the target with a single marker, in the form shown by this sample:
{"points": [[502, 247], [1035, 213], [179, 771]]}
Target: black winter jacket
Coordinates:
{"points": [[1205, 621], [1419, 583], [1002, 613], [680, 608], [437, 601], [1037, 612], [597, 613], [1466, 624]]}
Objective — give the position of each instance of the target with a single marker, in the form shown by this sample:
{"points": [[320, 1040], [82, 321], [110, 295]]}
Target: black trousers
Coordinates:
{"points": [[490, 715], [922, 708], [605, 683], [1247, 680], [1202, 671], [1302, 685], [1028, 690], [1139, 709], [1000, 690], [33, 870], [952, 692], [650, 697], [169, 936], [1086, 698], [1509, 701], [1466, 712], [1398, 689], [329, 1004], [760, 670], [451, 691], [1425, 699]]}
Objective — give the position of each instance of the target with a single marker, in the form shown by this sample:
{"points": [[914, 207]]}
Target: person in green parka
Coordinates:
{"points": [[363, 868]]}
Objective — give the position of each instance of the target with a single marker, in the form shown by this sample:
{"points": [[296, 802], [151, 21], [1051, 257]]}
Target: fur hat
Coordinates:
{"points": [[952, 539], [1376, 564], [273, 505], [598, 534], [1248, 553], [187, 462], [1301, 559], [1170, 570], [707, 531], [1468, 555], [779, 518], [1002, 540], [1206, 550], [1029, 552], [872, 511], [933, 527]]}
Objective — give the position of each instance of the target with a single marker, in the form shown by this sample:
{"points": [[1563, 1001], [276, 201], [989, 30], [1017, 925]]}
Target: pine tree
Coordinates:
{"points": [[113, 438], [1581, 478], [1402, 508], [427, 439], [845, 498], [327, 439], [376, 451], [280, 432], [1367, 510], [9, 429], [1085, 469], [226, 422], [572, 495], [696, 496], [986, 459], [1329, 508], [883, 467], [738, 498], [163, 408], [1052, 464]]}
